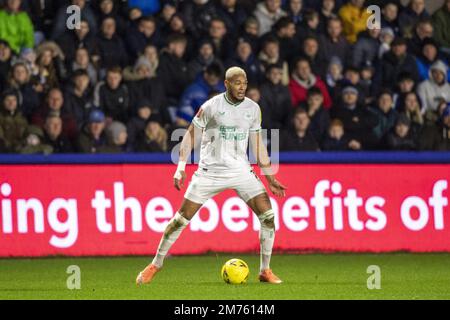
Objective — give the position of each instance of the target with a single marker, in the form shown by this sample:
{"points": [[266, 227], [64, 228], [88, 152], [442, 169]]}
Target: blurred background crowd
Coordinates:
{"points": [[136, 70]]}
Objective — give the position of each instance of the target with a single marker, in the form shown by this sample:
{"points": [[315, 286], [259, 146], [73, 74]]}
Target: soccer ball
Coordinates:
{"points": [[235, 271]]}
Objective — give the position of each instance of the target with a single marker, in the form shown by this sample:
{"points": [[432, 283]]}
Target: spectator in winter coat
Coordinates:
{"points": [[435, 89], [93, 139], [16, 27], [358, 121], [62, 16], [111, 48], [441, 22], [366, 48], [141, 35], [409, 17], [71, 41], [400, 138], [355, 16], [198, 14], [232, 14], [436, 136], [423, 31], [78, 97], [172, 69], [302, 80], [113, 96], [153, 138], [267, 13], [6, 55], [12, 124], [54, 104], [298, 137], [245, 59], [276, 105], [336, 139], [320, 118], [204, 58], [333, 43], [428, 56], [54, 135], [21, 81], [396, 62], [389, 17], [385, 114]]}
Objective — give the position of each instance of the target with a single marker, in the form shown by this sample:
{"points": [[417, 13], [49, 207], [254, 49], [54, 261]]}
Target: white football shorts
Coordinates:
{"points": [[206, 184]]}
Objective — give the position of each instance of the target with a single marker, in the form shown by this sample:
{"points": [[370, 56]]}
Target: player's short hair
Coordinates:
{"points": [[233, 72]]}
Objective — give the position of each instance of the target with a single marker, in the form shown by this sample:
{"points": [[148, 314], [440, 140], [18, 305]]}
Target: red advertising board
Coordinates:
{"points": [[90, 210]]}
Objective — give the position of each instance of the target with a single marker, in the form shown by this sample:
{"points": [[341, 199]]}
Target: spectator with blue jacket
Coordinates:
{"points": [[198, 92]]}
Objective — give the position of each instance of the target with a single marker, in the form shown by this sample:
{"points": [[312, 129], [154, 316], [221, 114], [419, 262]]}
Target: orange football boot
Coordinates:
{"points": [[147, 275], [269, 277]]}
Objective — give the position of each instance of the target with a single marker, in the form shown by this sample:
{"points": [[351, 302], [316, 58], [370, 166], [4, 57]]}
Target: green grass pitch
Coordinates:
{"points": [[315, 276]]}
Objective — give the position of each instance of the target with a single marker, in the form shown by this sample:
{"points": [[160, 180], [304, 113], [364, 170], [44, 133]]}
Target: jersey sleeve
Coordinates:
{"points": [[202, 117], [257, 120]]}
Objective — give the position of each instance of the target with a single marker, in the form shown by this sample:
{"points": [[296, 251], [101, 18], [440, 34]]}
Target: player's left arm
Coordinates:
{"points": [[259, 149]]}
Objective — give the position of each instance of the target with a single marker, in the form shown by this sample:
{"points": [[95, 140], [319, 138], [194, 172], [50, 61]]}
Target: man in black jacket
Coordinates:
{"points": [[113, 96], [54, 136], [111, 48], [358, 120], [397, 62], [298, 137], [276, 99], [173, 70]]}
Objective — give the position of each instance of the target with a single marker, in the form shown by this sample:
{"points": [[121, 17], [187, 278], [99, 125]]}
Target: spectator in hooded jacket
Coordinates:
{"points": [[435, 89], [366, 48], [16, 27], [142, 34], [302, 80], [13, 124], [268, 12]]}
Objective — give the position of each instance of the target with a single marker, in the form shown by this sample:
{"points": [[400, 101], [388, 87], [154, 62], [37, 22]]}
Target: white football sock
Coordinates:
{"points": [[171, 234], [266, 238]]}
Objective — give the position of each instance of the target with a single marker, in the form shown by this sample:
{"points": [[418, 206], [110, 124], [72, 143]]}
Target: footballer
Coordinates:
{"points": [[226, 123]]}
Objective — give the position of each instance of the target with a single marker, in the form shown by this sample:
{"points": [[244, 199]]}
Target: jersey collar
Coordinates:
{"points": [[229, 101]]}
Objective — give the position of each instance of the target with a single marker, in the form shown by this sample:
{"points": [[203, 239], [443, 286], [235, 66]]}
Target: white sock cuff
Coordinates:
{"points": [[182, 220], [267, 216]]}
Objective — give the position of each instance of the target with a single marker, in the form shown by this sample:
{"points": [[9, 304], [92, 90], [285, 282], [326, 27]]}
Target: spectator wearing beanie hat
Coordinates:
{"points": [[358, 121], [116, 134]]}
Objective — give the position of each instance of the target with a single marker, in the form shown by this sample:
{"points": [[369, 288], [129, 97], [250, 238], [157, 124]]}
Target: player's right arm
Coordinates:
{"points": [[188, 144]]}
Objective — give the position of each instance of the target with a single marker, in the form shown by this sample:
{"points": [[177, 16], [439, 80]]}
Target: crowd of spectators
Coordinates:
{"points": [[134, 71]]}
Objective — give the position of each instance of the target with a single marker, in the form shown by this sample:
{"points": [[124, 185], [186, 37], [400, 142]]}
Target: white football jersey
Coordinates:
{"points": [[226, 127]]}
